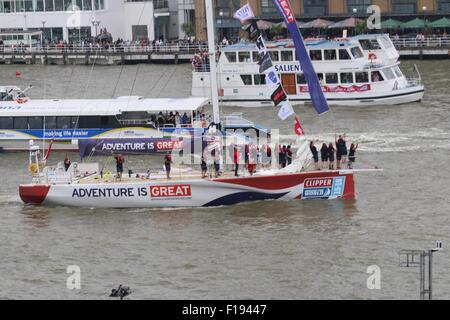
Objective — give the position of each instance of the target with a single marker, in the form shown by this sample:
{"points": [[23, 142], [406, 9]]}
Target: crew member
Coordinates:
{"points": [[67, 163], [289, 155], [236, 161], [168, 164], [315, 154], [351, 155], [331, 151], [120, 160], [324, 155]]}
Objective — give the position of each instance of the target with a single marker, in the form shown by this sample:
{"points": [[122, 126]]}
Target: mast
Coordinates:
{"points": [[212, 61]]}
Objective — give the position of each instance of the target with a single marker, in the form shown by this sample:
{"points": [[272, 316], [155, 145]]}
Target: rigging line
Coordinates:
{"points": [[168, 80], [134, 81]]}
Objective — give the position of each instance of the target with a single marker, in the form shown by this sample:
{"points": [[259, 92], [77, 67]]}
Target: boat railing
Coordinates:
{"points": [[408, 42], [180, 48], [134, 122], [236, 119]]}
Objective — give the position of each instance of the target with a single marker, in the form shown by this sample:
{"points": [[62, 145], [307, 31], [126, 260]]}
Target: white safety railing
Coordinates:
{"points": [[433, 42]]}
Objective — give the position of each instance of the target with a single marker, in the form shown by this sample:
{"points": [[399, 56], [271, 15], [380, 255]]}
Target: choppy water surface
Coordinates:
{"points": [[288, 250]]}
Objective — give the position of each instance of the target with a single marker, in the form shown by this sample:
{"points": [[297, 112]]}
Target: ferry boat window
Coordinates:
{"points": [[287, 55], [356, 52], [274, 55], [347, 77], [301, 78], [389, 73], [398, 72], [256, 56], [362, 77], [63, 122], [231, 56], [50, 122], [321, 79], [376, 76], [332, 78], [315, 55], [6, 123], [369, 44], [330, 54], [35, 123], [89, 122], [21, 123], [260, 79], [344, 55], [247, 79], [387, 43], [244, 56]]}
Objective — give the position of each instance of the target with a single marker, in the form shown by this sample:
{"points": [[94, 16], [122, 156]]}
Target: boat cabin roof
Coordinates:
{"points": [[99, 107]]}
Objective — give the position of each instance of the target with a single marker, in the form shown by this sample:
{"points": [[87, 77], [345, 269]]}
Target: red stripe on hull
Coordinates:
{"points": [[33, 194], [280, 182]]}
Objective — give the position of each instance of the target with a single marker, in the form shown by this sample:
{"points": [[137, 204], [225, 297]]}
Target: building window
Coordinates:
{"points": [[359, 5], [404, 6], [316, 7], [444, 5], [268, 8]]}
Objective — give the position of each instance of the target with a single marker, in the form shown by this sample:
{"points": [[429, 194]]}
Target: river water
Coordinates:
{"points": [[265, 250]]}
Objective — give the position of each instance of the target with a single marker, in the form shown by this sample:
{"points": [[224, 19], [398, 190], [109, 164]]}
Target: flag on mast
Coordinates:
{"points": [[318, 99], [298, 127], [285, 110], [245, 13]]}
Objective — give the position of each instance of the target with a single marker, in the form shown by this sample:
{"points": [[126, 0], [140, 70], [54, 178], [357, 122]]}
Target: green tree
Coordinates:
{"points": [[276, 30]]}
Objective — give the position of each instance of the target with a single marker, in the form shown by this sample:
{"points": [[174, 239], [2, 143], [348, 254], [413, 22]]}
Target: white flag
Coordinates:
{"points": [[285, 110], [244, 13], [272, 78]]}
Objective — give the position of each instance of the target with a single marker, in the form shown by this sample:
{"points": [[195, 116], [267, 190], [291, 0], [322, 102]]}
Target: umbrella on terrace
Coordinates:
{"points": [[414, 24], [441, 23], [347, 23], [264, 25], [391, 24], [318, 23]]}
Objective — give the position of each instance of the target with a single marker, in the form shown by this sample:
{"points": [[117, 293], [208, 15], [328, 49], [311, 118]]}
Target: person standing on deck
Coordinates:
{"points": [[67, 163], [341, 151], [120, 160], [168, 164], [351, 155], [289, 155], [236, 161], [324, 155], [331, 151], [315, 154], [204, 168]]}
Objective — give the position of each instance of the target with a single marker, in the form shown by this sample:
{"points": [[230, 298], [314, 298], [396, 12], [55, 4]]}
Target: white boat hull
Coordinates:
{"points": [[194, 193]]}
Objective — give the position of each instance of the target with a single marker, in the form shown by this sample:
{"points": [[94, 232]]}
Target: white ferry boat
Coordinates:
{"points": [[65, 122], [363, 70]]}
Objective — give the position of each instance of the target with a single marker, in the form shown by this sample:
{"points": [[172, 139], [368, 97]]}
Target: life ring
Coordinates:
{"points": [[372, 56], [21, 100]]}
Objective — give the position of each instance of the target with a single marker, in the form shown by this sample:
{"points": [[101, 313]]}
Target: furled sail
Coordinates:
{"points": [[319, 101]]}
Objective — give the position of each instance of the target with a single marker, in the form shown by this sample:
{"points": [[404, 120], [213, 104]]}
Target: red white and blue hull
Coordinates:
{"points": [[194, 193]]}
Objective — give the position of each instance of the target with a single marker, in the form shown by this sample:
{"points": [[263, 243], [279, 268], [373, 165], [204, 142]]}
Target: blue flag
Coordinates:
{"points": [[315, 90]]}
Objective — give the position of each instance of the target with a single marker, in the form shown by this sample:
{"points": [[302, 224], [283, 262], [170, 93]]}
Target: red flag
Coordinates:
{"points": [[49, 151], [18, 74], [298, 127]]}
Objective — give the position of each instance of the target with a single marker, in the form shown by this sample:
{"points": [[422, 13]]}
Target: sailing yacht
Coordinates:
{"points": [[86, 185]]}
